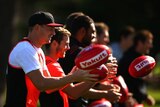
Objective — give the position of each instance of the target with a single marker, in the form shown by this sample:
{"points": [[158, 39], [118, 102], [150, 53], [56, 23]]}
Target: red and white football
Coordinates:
{"points": [[101, 71], [92, 56], [100, 103], [141, 66]]}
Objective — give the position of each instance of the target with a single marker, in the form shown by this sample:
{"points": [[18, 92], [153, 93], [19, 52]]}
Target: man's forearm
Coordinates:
{"points": [[78, 89]]}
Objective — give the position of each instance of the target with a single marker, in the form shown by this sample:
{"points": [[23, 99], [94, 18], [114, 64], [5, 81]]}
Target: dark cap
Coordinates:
{"points": [[42, 18]]}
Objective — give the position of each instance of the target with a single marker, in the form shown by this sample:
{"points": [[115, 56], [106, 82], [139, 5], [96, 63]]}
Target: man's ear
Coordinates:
{"points": [[54, 43], [140, 44], [81, 33], [37, 27]]}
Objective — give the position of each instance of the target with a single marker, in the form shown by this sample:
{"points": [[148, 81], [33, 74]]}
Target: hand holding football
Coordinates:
{"points": [[101, 71]]}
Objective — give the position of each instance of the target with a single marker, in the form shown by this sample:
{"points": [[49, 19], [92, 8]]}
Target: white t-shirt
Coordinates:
{"points": [[28, 57]]}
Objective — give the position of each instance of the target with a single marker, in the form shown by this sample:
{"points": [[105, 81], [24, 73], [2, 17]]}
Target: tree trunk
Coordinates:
{"points": [[6, 33]]}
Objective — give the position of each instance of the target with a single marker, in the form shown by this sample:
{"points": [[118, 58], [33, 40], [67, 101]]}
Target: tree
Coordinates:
{"points": [[6, 33]]}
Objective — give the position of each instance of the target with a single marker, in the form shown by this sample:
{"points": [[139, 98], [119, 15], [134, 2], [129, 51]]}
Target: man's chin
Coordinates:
{"points": [[62, 56], [47, 42]]}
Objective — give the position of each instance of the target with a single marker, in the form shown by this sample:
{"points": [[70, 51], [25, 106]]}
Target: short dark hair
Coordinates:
{"points": [[142, 36], [126, 31], [70, 18], [100, 27], [79, 22], [60, 33]]}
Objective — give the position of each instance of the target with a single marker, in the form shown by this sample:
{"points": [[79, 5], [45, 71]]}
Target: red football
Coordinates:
{"points": [[141, 66], [124, 89], [100, 103], [92, 56], [101, 71]]}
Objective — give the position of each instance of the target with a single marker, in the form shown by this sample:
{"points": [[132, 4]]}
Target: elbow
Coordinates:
{"points": [[72, 94], [40, 86], [74, 97]]}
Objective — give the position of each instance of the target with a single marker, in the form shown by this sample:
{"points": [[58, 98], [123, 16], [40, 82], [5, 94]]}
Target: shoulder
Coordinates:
{"points": [[75, 46], [22, 46], [115, 45], [75, 49], [54, 67]]}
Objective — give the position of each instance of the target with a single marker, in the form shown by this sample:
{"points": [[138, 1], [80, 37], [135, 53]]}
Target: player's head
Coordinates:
{"points": [[41, 26], [70, 18], [143, 41], [59, 43], [83, 29], [102, 31]]}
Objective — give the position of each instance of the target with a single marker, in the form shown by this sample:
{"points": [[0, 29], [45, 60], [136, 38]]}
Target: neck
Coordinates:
{"points": [[34, 41], [52, 55]]}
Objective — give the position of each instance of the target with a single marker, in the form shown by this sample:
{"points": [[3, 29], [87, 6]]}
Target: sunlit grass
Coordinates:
{"points": [[153, 90], [156, 95]]}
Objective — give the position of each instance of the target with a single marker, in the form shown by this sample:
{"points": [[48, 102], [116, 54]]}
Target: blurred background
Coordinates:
{"points": [[141, 14]]}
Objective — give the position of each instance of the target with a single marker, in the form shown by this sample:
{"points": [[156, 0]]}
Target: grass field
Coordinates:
{"points": [[152, 90], [154, 84], [155, 92]]}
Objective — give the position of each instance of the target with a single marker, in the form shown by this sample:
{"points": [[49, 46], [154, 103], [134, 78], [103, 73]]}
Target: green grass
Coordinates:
{"points": [[154, 85], [153, 90], [155, 93]]}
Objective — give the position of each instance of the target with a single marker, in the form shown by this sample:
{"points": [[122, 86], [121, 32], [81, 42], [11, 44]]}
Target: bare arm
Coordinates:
{"points": [[110, 95], [79, 89], [47, 83]]}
